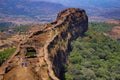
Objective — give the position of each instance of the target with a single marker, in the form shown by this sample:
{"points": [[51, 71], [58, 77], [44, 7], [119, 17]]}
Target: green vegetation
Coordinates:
{"points": [[4, 26], [22, 28], [3, 29], [94, 57], [101, 26], [31, 54], [6, 54]]}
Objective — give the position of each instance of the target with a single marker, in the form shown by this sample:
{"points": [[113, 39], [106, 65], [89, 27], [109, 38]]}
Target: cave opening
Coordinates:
{"points": [[31, 52]]}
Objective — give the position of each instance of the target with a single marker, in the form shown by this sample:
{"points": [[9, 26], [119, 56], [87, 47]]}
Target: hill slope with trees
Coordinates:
{"points": [[94, 57]]}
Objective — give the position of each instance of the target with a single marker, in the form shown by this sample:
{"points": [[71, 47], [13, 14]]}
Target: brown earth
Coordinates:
{"points": [[115, 32], [11, 42], [50, 46], [113, 22]]}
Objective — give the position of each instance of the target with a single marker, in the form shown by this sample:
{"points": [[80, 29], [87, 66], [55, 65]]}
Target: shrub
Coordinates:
{"points": [[94, 57], [5, 54]]}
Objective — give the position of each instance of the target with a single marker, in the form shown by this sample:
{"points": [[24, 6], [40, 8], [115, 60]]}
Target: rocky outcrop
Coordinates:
{"points": [[43, 54]]}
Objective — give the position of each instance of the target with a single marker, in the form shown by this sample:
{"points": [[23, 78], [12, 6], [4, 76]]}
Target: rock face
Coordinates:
{"points": [[42, 55]]}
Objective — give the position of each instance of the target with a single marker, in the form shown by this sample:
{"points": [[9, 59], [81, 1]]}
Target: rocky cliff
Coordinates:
{"points": [[42, 55]]}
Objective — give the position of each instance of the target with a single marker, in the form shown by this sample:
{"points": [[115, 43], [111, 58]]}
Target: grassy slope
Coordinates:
{"points": [[94, 57], [5, 54], [101, 26]]}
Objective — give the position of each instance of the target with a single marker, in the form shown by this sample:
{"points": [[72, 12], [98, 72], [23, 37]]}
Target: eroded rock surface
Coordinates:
{"points": [[41, 56]]}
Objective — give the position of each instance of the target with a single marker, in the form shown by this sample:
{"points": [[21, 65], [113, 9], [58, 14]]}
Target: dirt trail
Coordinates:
{"points": [[39, 63], [45, 52], [5, 64], [21, 71], [46, 57]]}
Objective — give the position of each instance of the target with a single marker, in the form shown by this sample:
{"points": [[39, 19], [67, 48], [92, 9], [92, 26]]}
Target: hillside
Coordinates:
{"points": [[109, 28], [98, 10], [40, 11], [26, 11], [66, 49], [93, 57], [101, 10], [42, 54]]}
